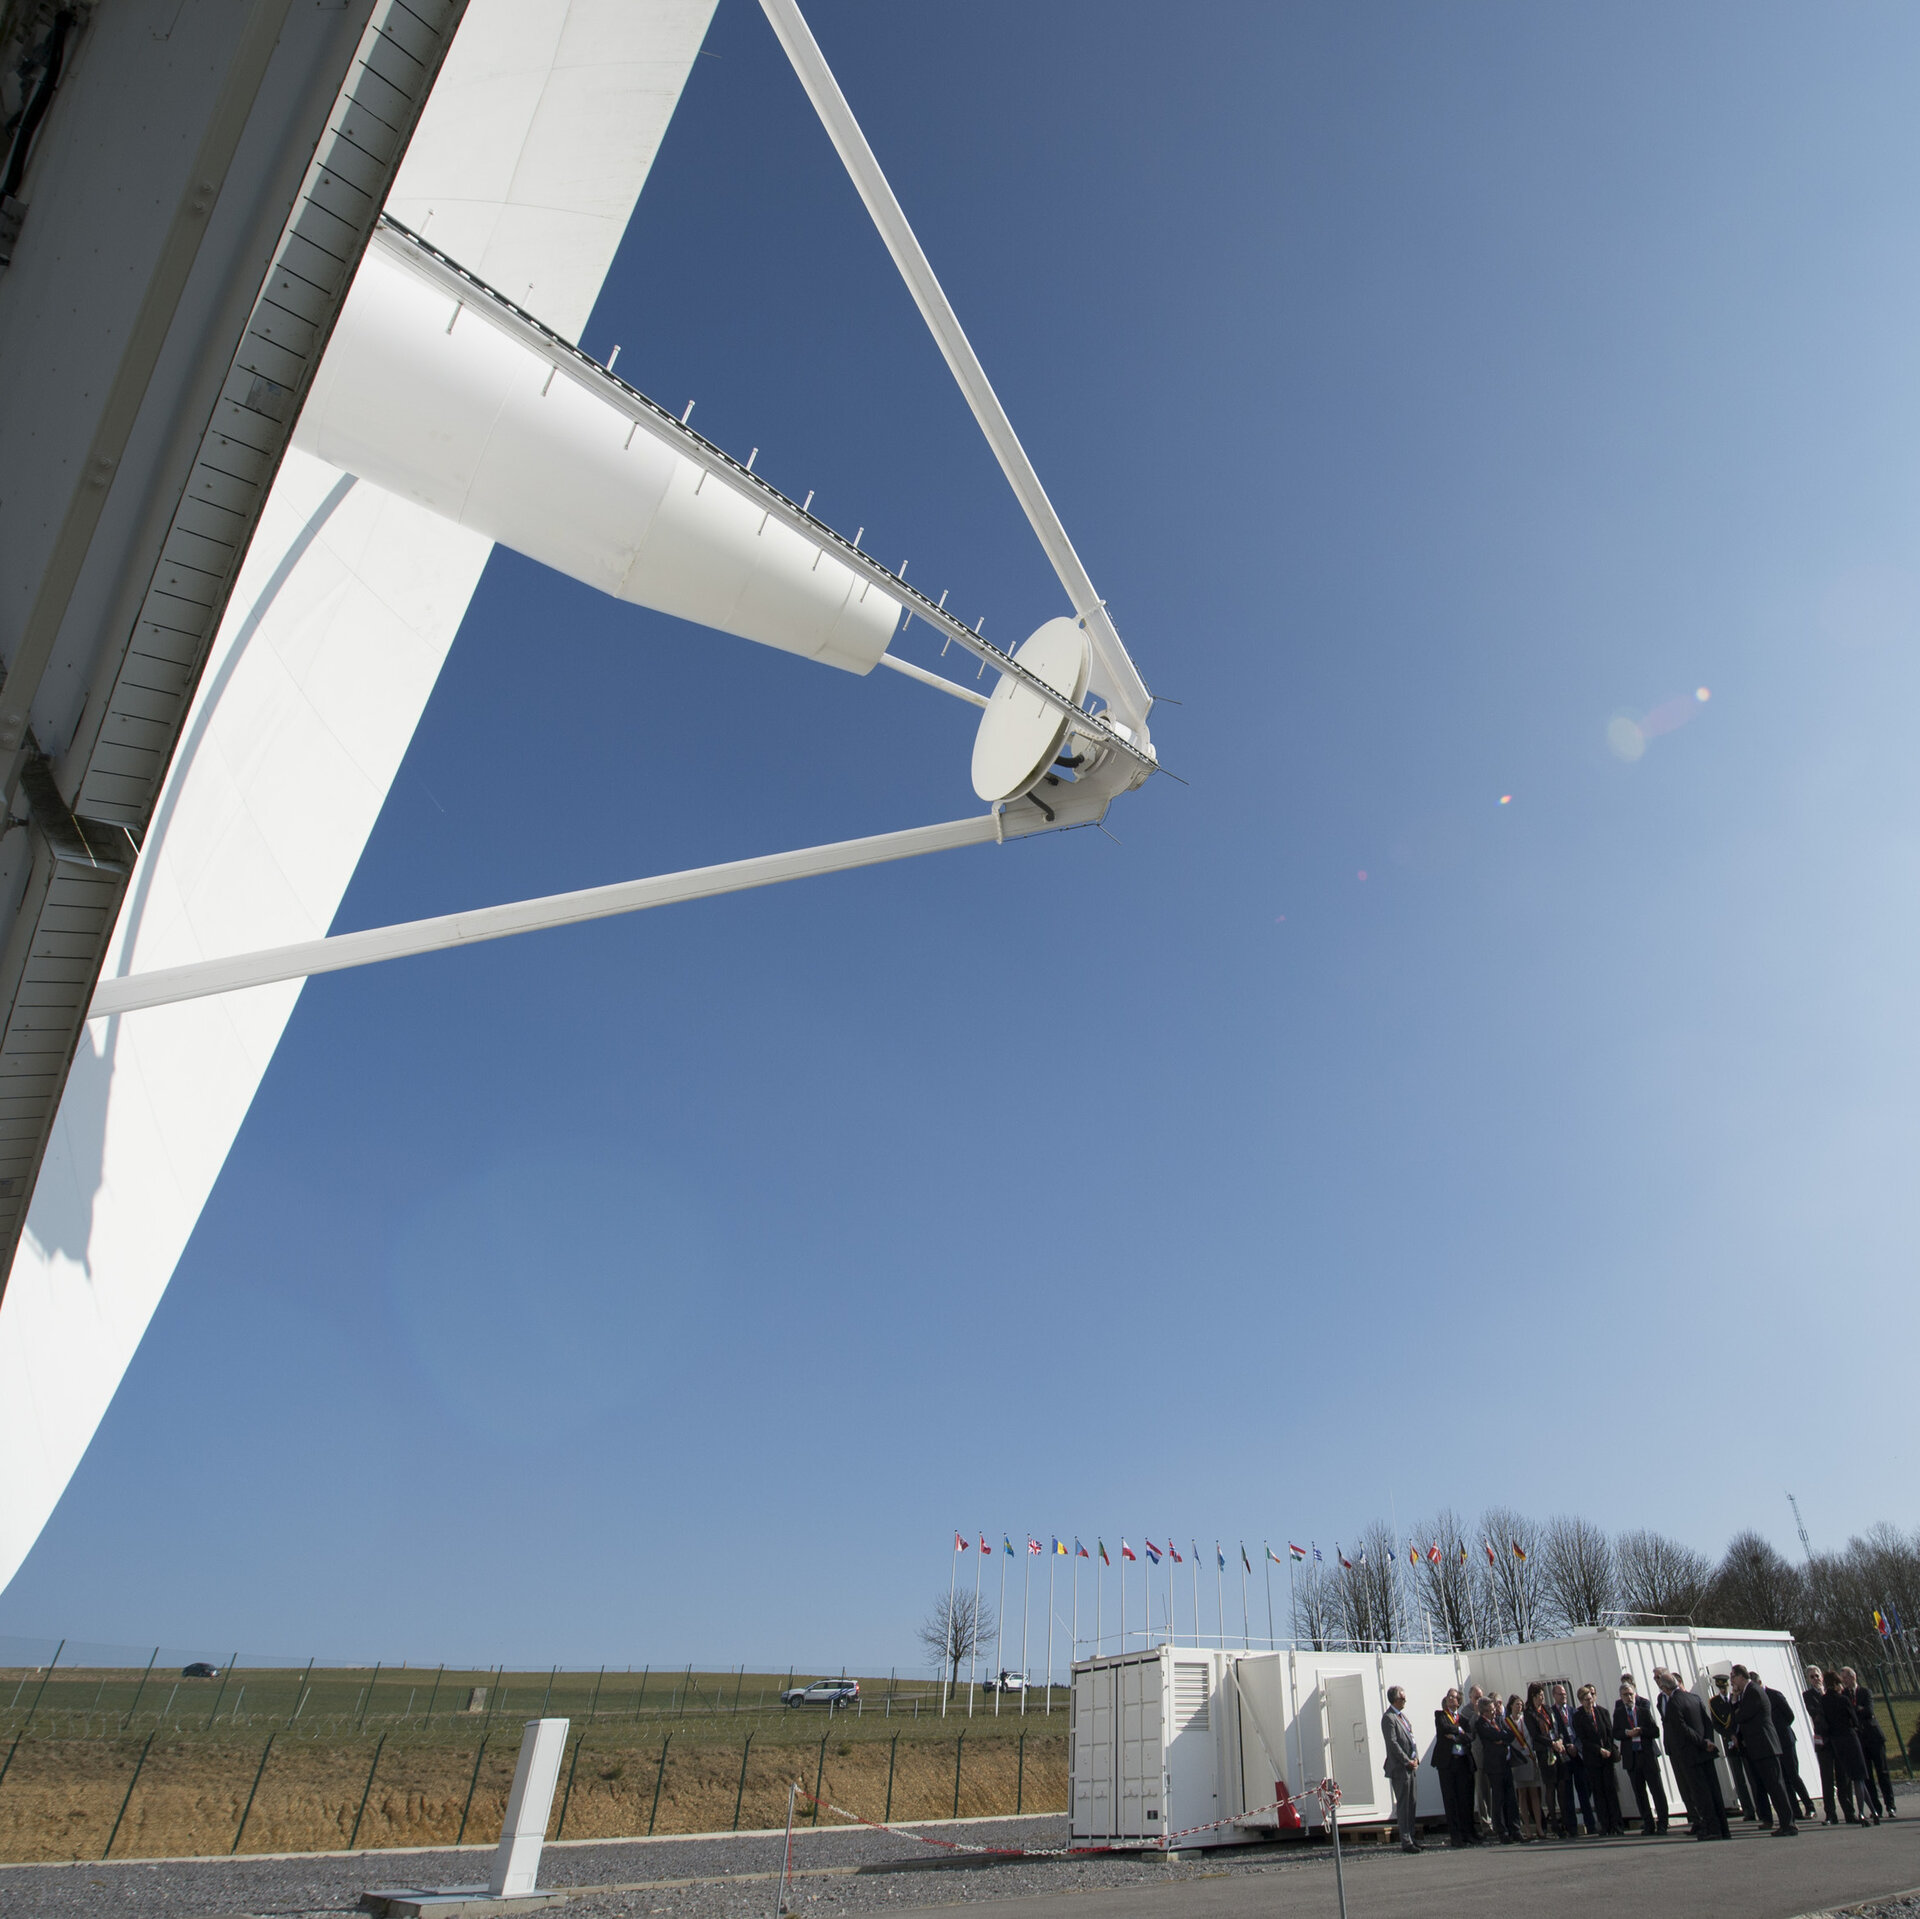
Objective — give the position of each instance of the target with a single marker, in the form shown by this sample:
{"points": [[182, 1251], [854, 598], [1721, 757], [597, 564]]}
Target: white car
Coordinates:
{"points": [[823, 1692], [1008, 1682]]}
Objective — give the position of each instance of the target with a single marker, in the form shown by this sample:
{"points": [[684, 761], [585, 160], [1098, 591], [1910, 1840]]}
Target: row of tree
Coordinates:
{"points": [[1544, 1578]]}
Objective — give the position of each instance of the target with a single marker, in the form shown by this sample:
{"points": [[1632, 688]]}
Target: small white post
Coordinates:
{"points": [[516, 1865]]}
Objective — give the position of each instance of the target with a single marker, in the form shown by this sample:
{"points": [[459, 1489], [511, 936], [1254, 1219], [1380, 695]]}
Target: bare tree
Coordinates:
{"points": [[1753, 1585], [1659, 1577], [957, 1628], [1577, 1572], [1314, 1614], [1510, 1545], [1446, 1584], [1368, 1596]]}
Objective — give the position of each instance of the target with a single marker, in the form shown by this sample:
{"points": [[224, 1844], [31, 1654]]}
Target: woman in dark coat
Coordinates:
{"points": [[1593, 1727], [1849, 1759], [1496, 1739]]}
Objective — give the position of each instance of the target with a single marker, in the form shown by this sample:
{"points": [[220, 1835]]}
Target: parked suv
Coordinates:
{"points": [[823, 1692], [1007, 1682]]}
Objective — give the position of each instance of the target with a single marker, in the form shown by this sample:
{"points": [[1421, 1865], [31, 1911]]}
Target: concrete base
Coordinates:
{"points": [[415, 1902]]}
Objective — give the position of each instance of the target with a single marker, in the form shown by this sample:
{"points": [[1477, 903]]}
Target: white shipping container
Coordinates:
{"points": [[1175, 1738]]}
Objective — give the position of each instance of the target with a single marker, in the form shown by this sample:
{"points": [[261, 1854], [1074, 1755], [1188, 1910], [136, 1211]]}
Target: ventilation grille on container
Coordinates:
{"points": [[1192, 1684]]}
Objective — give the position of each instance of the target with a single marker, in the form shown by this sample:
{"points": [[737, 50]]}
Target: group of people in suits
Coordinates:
{"points": [[1549, 1763]]}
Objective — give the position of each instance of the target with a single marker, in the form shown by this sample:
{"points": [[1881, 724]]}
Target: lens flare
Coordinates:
{"points": [[1506, 799]]}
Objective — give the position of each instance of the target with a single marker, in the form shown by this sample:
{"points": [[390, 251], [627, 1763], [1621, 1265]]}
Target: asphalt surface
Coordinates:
{"points": [[860, 1872]]}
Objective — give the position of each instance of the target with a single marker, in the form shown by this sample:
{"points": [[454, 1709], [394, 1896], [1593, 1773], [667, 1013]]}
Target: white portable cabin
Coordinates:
{"points": [[1599, 1656], [1194, 1746], [1175, 1738]]}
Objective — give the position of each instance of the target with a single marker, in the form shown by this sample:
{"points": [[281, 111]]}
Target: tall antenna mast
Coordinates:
{"points": [[1800, 1525]]}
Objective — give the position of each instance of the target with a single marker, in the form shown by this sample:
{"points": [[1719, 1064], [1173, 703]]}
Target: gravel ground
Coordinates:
{"points": [[844, 1871]]}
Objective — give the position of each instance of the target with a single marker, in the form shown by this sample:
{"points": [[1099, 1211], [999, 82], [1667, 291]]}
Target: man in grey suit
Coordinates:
{"points": [[1403, 1761]]}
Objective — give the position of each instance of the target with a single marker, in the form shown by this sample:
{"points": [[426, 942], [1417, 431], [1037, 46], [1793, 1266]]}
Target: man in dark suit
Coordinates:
{"points": [[1682, 1774], [1691, 1747], [1873, 1742], [1815, 1701], [1760, 1746], [1720, 1711], [1638, 1738], [1402, 1762], [1783, 1720], [1571, 1773], [1594, 1726], [1494, 1737]]}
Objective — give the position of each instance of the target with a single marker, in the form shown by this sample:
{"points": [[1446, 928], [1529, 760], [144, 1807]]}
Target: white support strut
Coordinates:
{"points": [[1126, 692], [167, 985]]}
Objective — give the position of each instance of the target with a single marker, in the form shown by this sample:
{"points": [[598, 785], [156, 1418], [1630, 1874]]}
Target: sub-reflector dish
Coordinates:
{"points": [[1020, 732]]}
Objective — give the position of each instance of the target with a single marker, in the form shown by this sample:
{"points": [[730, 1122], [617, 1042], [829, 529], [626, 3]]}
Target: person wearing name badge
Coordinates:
{"points": [[1453, 1761], [1494, 1738], [1483, 1822], [1601, 1756], [1638, 1738], [1571, 1769], [1753, 1715], [1682, 1775], [1402, 1763]]}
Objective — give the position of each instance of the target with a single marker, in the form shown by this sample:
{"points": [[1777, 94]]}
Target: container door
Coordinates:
{"points": [[1193, 1786], [1347, 1737], [1142, 1806], [1093, 1754]]}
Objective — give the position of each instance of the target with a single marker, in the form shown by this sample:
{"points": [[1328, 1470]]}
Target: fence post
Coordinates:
{"points": [[642, 1700], [686, 1688], [471, 1783], [593, 1704], [366, 1702], [299, 1695], [1893, 1718], [819, 1773], [548, 1696], [959, 1751], [48, 1674], [740, 1790], [657, 1777], [365, 1791], [893, 1753], [566, 1798], [137, 1691], [1020, 1778], [435, 1693], [131, 1783], [247, 1809]]}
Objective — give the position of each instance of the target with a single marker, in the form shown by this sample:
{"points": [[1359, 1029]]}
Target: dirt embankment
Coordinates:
{"points": [[60, 1798]]}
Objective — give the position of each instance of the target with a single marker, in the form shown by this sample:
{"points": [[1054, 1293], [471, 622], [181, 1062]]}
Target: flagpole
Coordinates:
{"points": [[1220, 1593], [1171, 1634], [1246, 1621], [1195, 1544], [948, 1663], [1051, 1570], [973, 1655], [1099, 1604], [1293, 1612], [1074, 1632], [1026, 1612], [1266, 1566], [1123, 1596], [1000, 1642]]}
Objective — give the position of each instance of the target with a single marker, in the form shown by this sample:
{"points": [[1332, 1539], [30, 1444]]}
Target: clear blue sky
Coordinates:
{"points": [[1426, 390]]}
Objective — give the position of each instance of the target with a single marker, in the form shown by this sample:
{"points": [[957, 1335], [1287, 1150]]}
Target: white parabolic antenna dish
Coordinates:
{"points": [[1020, 732]]}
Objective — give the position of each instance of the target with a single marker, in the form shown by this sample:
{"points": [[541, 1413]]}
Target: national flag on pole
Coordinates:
{"points": [[1880, 1624], [1008, 1544], [1127, 1552], [1463, 1552], [1319, 1558], [1275, 1557], [1033, 1545], [959, 1544], [984, 1547], [1433, 1553], [1079, 1551], [1219, 1555], [1363, 1555], [1298, 1552], [1343, 1559], [1172, 1548], [1060, 1549], [1244, 1560], [1519, 1551], [1102, 1544], [1491, 1560], [1413, 1554], [1153, 1552]]}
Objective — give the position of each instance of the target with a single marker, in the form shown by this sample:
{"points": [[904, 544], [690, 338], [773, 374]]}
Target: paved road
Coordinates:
{"points": [[1752, 1877]]}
